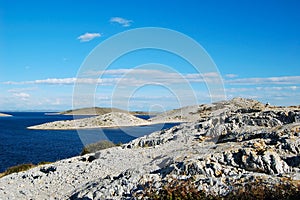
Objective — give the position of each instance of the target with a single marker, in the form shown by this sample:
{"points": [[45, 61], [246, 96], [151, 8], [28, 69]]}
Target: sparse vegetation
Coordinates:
{"points": [[21, 168], [94, 147], [43, 163], [176, 189], [257, 190], [119, 144]]}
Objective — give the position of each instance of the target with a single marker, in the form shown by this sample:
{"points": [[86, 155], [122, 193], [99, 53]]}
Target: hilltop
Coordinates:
{"points": [[92, 111], [192, 113], [101, 111]]}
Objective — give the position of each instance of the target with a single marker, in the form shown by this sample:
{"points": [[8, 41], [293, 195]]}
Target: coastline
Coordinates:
{"points": [[5, 115], [250, 147], [109, 120], [44, 126]]}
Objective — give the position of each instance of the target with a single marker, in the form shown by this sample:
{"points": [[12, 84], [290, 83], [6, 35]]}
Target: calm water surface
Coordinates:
{"points": [[20, 145]]}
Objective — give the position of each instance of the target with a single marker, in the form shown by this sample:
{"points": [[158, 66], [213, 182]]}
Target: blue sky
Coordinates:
{"points": [[255, 45]]}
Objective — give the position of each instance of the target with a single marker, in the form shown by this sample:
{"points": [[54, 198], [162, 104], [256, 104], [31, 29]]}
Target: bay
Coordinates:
{"points": [[20, 145]]}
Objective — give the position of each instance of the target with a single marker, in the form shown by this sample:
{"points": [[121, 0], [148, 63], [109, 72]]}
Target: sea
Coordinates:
{"points": [[19, 145]]}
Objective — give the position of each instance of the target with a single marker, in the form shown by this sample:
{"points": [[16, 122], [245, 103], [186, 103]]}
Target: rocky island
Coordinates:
{"points": [[5, 115], [103, 118], [100, 111], [92, 111], [229, 147], [112, 119]]}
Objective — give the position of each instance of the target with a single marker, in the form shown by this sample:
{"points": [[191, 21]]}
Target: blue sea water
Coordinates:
{"points": [[20, 145]]}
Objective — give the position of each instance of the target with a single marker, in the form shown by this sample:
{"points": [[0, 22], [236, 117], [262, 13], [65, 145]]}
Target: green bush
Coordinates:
{"points": [[94, 147]]}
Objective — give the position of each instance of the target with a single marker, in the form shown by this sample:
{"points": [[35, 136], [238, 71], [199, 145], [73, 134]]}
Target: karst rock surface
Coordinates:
{"points": [[223, 144]]}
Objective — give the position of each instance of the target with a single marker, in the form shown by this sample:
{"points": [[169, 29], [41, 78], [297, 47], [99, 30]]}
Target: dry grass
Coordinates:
{"points": [[257, 190], [21, 168], [94, 147]]}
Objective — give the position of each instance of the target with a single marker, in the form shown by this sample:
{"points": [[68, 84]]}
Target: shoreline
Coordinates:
{"points": [[215, 156], [109, 120], [98, 127], [5, 115]]}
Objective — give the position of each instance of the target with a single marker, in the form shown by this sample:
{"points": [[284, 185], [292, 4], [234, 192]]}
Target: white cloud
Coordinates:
{"points": [[231, 75], [265, 89], [277, 90], [57, 102], [55, 81], [88, 37], [120, 72], [128, 77], [122, 21], [19, 90], [134, 77], [22, 95], [266, 80], [294, 87], [154, 74]]}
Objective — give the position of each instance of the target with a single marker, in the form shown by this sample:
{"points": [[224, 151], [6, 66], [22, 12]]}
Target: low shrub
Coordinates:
{"points": [[176, 189], [287, 190], [186, 189], [43, 163], [94, 147], [21, 168], [18, 168]]}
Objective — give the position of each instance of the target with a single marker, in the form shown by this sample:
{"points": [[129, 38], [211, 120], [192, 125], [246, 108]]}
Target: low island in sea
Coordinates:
{"points": [[5, 115], [234, 149], [113, 117]]}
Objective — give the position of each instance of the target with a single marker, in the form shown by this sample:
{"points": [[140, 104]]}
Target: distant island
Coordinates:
{"points": [[91, 111], [5, 115], [101, 111], [104, 118], [112, 119]]}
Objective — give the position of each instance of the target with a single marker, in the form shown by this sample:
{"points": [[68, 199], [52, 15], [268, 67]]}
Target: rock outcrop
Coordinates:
{"points": [[192, 113], [230, 143]]}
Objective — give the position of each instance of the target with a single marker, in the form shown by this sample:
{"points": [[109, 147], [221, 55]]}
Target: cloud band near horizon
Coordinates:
{"points": [[112, 76]]}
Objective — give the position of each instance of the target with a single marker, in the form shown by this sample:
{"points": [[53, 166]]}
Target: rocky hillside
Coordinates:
{"points": [[113, 119], [231, 144], [192, 113]]}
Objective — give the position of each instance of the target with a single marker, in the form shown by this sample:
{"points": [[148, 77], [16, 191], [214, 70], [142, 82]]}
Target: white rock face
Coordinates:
{"points": [[192, 113], [230, 143], [113, 119]]}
